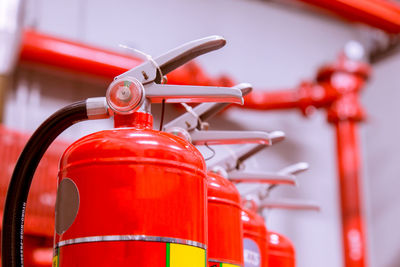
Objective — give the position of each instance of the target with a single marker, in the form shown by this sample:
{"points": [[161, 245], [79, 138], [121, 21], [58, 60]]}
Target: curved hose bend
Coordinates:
{"points": [[21, 179]]}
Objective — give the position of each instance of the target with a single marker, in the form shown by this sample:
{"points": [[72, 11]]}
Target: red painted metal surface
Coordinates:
{"points": [[132, 182], [281, 251], [254, 229], [382, 14], [225, 234]]}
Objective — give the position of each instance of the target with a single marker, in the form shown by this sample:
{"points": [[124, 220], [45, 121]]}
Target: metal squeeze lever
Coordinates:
{"points": [[167, 62], [137, 87], [291, 204], [190, 125]]}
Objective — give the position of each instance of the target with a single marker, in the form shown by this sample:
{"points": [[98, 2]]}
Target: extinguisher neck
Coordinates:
{"points": [[139, 120]]}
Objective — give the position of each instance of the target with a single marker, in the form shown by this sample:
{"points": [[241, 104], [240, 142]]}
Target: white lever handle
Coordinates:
{"points": [[192, 94], [261, 177], [190, 119], [234, 156], [263, 191], [295, 168], [291, 204], [229, 137], [277, 136]]}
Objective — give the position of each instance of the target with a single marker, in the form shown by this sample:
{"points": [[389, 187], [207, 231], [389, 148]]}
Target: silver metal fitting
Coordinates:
{"points": [[97, 108]]}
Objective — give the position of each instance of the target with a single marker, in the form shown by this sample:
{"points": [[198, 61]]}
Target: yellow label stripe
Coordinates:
{"points": [[55, 261], [223, 264], [185, 255], [228, 265]]}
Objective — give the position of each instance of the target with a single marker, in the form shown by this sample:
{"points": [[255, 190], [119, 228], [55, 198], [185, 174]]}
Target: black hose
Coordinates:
{"points": [[17, 194]]}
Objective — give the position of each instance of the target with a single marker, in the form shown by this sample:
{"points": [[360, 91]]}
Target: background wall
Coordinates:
{"points": [[268, 46]]}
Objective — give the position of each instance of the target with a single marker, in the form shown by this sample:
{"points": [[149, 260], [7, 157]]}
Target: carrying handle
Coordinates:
{"points": [[229, 137], [264, 191], [295, 168], [290, 204], [261, 177], [289, 170], [234, 157], [244, 152], [214, 108], [156, 93], [191, 119]]}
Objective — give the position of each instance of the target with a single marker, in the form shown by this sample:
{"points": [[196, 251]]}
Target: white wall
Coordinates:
{"points": [[271, 48]]}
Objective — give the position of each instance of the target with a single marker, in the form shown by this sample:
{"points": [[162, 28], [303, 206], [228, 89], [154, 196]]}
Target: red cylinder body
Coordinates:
{"points": [[255, 244], [281, 251], [225, 235], [131, 196]]}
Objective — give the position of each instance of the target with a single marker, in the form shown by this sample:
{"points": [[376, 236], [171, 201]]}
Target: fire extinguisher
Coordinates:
{"points": [[281, 251], [254, 230], [225, 237], [255, 233], [126, 196]]}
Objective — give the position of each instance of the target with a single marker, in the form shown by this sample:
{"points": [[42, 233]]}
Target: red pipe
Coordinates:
{"points": [[348, 157], [272, 100], [76, 57], [306, 97], [79, 58], [382, 14]]}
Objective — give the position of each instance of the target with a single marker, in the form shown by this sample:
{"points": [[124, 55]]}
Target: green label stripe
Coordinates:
{"points": [[168, 251], [127, 83]]}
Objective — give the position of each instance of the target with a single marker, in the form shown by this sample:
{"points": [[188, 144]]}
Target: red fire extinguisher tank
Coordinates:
{"points": [[281, 251], [255, 243], [225, 235], [131, 196]]}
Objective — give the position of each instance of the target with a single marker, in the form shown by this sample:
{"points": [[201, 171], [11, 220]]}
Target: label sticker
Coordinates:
{"points": [[222, 264], [55, 258], [251, 253], [55, 261], [179, 255], [228, 265]]}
